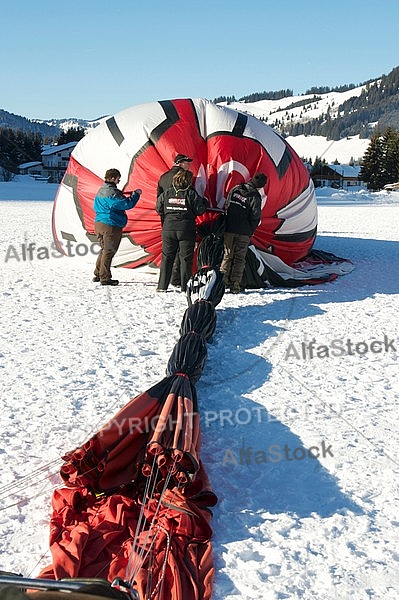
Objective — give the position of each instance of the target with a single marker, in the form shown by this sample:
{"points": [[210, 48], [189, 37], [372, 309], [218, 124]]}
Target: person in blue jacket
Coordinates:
{"points": [[110, 206]]}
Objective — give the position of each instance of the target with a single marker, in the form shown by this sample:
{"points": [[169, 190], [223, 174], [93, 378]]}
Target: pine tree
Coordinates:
{"points": [[381, 160], [373, 163], [17, 147], [391, 150], [73, 134]]}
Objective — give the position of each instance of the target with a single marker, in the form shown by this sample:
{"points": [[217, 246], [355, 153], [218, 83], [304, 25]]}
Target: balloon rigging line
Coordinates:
{"points": [[142, 553], [30, 480], [129, 567]]}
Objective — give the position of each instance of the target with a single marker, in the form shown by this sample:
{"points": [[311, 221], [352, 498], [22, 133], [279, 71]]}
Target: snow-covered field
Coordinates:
{"points": [[299, 401]]}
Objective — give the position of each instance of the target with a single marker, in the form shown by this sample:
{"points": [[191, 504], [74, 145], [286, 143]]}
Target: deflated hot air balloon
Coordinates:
{"points": [[135, 509], [227, 148]]}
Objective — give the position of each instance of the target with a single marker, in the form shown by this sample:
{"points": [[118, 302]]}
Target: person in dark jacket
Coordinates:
{"points": [[182, 161], [110, 206], [165, 181], [178, 207], [243, 212]]}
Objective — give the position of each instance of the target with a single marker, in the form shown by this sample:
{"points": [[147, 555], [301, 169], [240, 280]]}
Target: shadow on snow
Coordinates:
{"points": [[236, 454]]}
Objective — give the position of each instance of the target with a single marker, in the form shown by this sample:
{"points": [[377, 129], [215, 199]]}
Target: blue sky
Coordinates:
{"points": [[90, 59]]}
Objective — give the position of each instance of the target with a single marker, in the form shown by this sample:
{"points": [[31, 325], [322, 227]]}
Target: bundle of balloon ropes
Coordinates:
{"points": [[143, 491]]}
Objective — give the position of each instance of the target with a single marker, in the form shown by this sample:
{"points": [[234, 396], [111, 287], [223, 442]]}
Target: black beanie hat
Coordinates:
{"points": [[182, 158], [259, 180]]}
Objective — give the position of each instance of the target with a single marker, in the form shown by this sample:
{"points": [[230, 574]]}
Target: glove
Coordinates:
{"points": [[139, 192]]}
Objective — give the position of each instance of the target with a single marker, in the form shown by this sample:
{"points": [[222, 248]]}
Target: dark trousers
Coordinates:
{"points": [[109, 238], [235, 252], [176, 279], [181, 244]]}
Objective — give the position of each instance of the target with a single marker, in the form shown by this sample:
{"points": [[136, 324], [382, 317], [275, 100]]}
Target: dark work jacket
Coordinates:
{"points": [[165, 181], [179, 208], [243, 209]]}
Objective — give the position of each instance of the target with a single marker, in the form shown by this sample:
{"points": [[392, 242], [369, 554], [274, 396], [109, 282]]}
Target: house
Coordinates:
{"points": [[53, 165], [338, 176], [55, 161], [34, 168]]}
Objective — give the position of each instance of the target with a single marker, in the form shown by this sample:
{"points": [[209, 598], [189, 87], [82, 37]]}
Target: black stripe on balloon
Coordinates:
{"points": [[72, 182], [114, 130], [238, 131], [68, 236], [172, 116], [240, 125], [284, 163], [301, 236]]}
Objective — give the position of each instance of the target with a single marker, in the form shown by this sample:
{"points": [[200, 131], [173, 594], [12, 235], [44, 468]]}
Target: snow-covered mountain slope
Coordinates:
{"points": [[309, 106], [301, 109]]}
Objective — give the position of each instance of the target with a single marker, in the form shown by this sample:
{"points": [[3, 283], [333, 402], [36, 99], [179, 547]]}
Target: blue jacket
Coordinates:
{"points": [[110, 205]]}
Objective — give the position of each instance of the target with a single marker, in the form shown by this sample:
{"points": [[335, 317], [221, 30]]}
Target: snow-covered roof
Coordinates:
{"points": [[55, 149], [346, 170], [30, 164]]}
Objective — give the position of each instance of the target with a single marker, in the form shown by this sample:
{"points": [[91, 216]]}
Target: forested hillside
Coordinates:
{"points": [[376, 107], [10, 121]]}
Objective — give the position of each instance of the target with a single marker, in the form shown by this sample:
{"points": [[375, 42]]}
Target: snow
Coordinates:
{"points": [[317, 146], [72, 353], [310, 107], [30, 164], [313, 105], [25, 187], [346, 170], [60, 148]]}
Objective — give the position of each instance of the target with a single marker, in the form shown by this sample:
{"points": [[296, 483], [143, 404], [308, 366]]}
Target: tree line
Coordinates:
{"points": [[279, 94], [17, 147], [325, 89], [255, 97]]}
